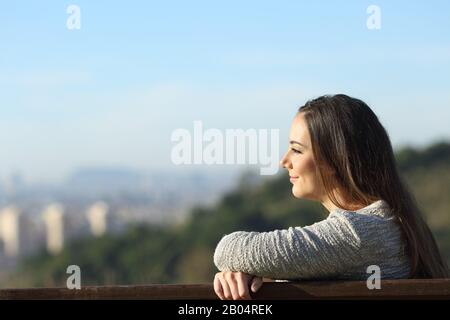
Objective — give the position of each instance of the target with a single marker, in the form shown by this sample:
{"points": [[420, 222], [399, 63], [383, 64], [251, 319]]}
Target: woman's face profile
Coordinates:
{"points": [[299, 161]]}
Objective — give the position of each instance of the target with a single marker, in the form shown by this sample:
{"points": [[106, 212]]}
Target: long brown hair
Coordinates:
{"points": [[348, 138]]}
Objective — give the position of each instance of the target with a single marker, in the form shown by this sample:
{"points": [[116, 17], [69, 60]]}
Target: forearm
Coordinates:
{"points": [[319, 251], [271, 255]]}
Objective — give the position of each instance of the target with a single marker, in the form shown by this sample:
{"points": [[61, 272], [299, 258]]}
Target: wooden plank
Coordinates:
{"points": [[390, 289]]}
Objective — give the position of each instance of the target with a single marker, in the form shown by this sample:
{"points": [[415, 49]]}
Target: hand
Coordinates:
{"points": [[230, 285]]}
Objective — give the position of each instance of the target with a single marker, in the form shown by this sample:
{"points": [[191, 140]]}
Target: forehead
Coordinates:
{"points": [[299, 130]]}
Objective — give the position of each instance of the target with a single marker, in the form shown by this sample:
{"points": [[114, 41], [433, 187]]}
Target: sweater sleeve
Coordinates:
{"points": [[324, 249]]}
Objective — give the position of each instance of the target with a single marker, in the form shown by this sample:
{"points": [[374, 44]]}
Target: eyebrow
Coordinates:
{"points": [[292, 142]]}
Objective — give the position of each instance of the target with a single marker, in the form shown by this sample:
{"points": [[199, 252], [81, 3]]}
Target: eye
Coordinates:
{"points": [[295, 151]]}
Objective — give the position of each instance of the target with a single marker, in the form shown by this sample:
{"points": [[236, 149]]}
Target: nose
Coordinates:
{"points": [[284, 161]]}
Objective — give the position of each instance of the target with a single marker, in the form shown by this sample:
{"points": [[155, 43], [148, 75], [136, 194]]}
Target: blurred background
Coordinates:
{"points": [[91, 92]]}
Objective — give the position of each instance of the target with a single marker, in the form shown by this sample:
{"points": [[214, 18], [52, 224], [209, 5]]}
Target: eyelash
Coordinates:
{"points": [[295, 151]]}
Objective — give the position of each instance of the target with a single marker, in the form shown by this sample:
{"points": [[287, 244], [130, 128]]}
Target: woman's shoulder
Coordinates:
{"points": [[377, 211], [375, 225], [370, 224]]}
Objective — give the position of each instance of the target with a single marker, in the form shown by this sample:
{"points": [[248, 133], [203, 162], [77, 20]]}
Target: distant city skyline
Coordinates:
{"points": [[111, 93], [97, 201]]}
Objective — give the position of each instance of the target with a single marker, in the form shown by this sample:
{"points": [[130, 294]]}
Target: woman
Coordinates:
{"points": [[340, 155]]}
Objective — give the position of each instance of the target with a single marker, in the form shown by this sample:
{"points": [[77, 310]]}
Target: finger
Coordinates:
{"points": [[218, 288], [226, 289], [257, 282], [231, 280], [242, 284]]}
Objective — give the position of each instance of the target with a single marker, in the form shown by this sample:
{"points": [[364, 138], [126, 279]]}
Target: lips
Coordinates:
{"points": [[293, 179]]}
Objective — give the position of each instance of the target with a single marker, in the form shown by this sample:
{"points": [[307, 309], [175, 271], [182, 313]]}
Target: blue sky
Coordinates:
{"points": [[112, 92]]}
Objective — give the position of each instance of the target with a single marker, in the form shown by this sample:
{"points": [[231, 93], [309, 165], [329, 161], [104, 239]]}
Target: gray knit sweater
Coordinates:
{"points": [[340, 247]]}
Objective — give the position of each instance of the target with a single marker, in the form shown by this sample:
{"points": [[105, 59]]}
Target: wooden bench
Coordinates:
{"points": [[390, 289]]}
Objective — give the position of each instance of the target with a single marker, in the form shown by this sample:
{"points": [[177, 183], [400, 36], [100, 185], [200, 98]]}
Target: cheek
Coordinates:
{"points": [[307, 184], [305, 167]]}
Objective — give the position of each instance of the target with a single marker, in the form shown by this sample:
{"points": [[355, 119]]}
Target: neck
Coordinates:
{"points": [[330, 206]]}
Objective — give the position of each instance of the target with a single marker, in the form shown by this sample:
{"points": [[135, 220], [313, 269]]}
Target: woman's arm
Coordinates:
{"points": [[324, 249]]}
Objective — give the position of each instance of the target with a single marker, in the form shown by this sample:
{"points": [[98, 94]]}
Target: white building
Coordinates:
{"points": [[96, 216], [9, 230], [54, 224]]}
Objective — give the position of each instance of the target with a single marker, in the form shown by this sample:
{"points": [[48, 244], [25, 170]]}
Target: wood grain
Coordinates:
{"points": [[390, 289]]}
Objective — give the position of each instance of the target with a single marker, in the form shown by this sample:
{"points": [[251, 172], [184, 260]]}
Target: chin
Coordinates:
{"points": [[297, 194]]}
